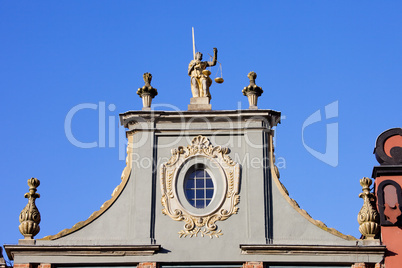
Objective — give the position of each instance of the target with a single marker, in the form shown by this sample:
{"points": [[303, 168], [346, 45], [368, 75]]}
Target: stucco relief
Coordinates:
{"points": [[226, 175]]}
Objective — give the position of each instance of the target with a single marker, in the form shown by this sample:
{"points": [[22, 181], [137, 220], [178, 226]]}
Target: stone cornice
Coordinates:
{"points": [[311, 249], [387, 170], [183, 116], [62, 250]]}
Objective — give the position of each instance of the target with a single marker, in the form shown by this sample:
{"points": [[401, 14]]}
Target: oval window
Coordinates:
{"points": [[199, 188]]}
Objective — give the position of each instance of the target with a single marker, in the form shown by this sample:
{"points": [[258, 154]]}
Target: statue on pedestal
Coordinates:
{"points": [[200, 80]]}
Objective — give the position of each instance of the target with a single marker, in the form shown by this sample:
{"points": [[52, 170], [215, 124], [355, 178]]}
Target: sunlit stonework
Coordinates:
{"points": [[203, 223], [30, 216], [368, 217]]}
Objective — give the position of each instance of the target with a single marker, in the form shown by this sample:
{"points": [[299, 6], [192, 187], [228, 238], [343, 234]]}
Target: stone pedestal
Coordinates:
{"points": [[199, 104], [146, 100], [252, 100], [27, 241]]}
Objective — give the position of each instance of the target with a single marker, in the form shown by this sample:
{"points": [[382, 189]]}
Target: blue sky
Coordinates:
{"points": [[55, 55]]}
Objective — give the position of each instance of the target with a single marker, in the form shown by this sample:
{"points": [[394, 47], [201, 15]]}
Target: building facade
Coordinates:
{"points": [[211, 198]]}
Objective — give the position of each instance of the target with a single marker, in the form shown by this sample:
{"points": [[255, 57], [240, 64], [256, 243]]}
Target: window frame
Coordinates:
{"points": [[218, 178]]}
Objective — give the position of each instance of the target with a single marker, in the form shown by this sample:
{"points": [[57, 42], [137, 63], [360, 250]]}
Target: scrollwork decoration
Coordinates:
{"points": [[193, 224], [202, 232]]}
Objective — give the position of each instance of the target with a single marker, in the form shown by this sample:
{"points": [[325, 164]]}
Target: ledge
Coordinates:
{"points": [[61, 250], [182, 116], [253, 249], [387, 170]]}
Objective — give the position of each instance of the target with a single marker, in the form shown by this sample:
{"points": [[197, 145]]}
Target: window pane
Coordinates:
{"points": [[199, 184], [210, 193], [210, 184], [200, 173], [190, 184], [199, 193], [190, 194], [200, 204]]}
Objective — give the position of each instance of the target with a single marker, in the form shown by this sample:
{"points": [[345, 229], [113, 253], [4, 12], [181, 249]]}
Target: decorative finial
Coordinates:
{"points": [[147, 92], [368, 217], [252, 91], [30, 216]]}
